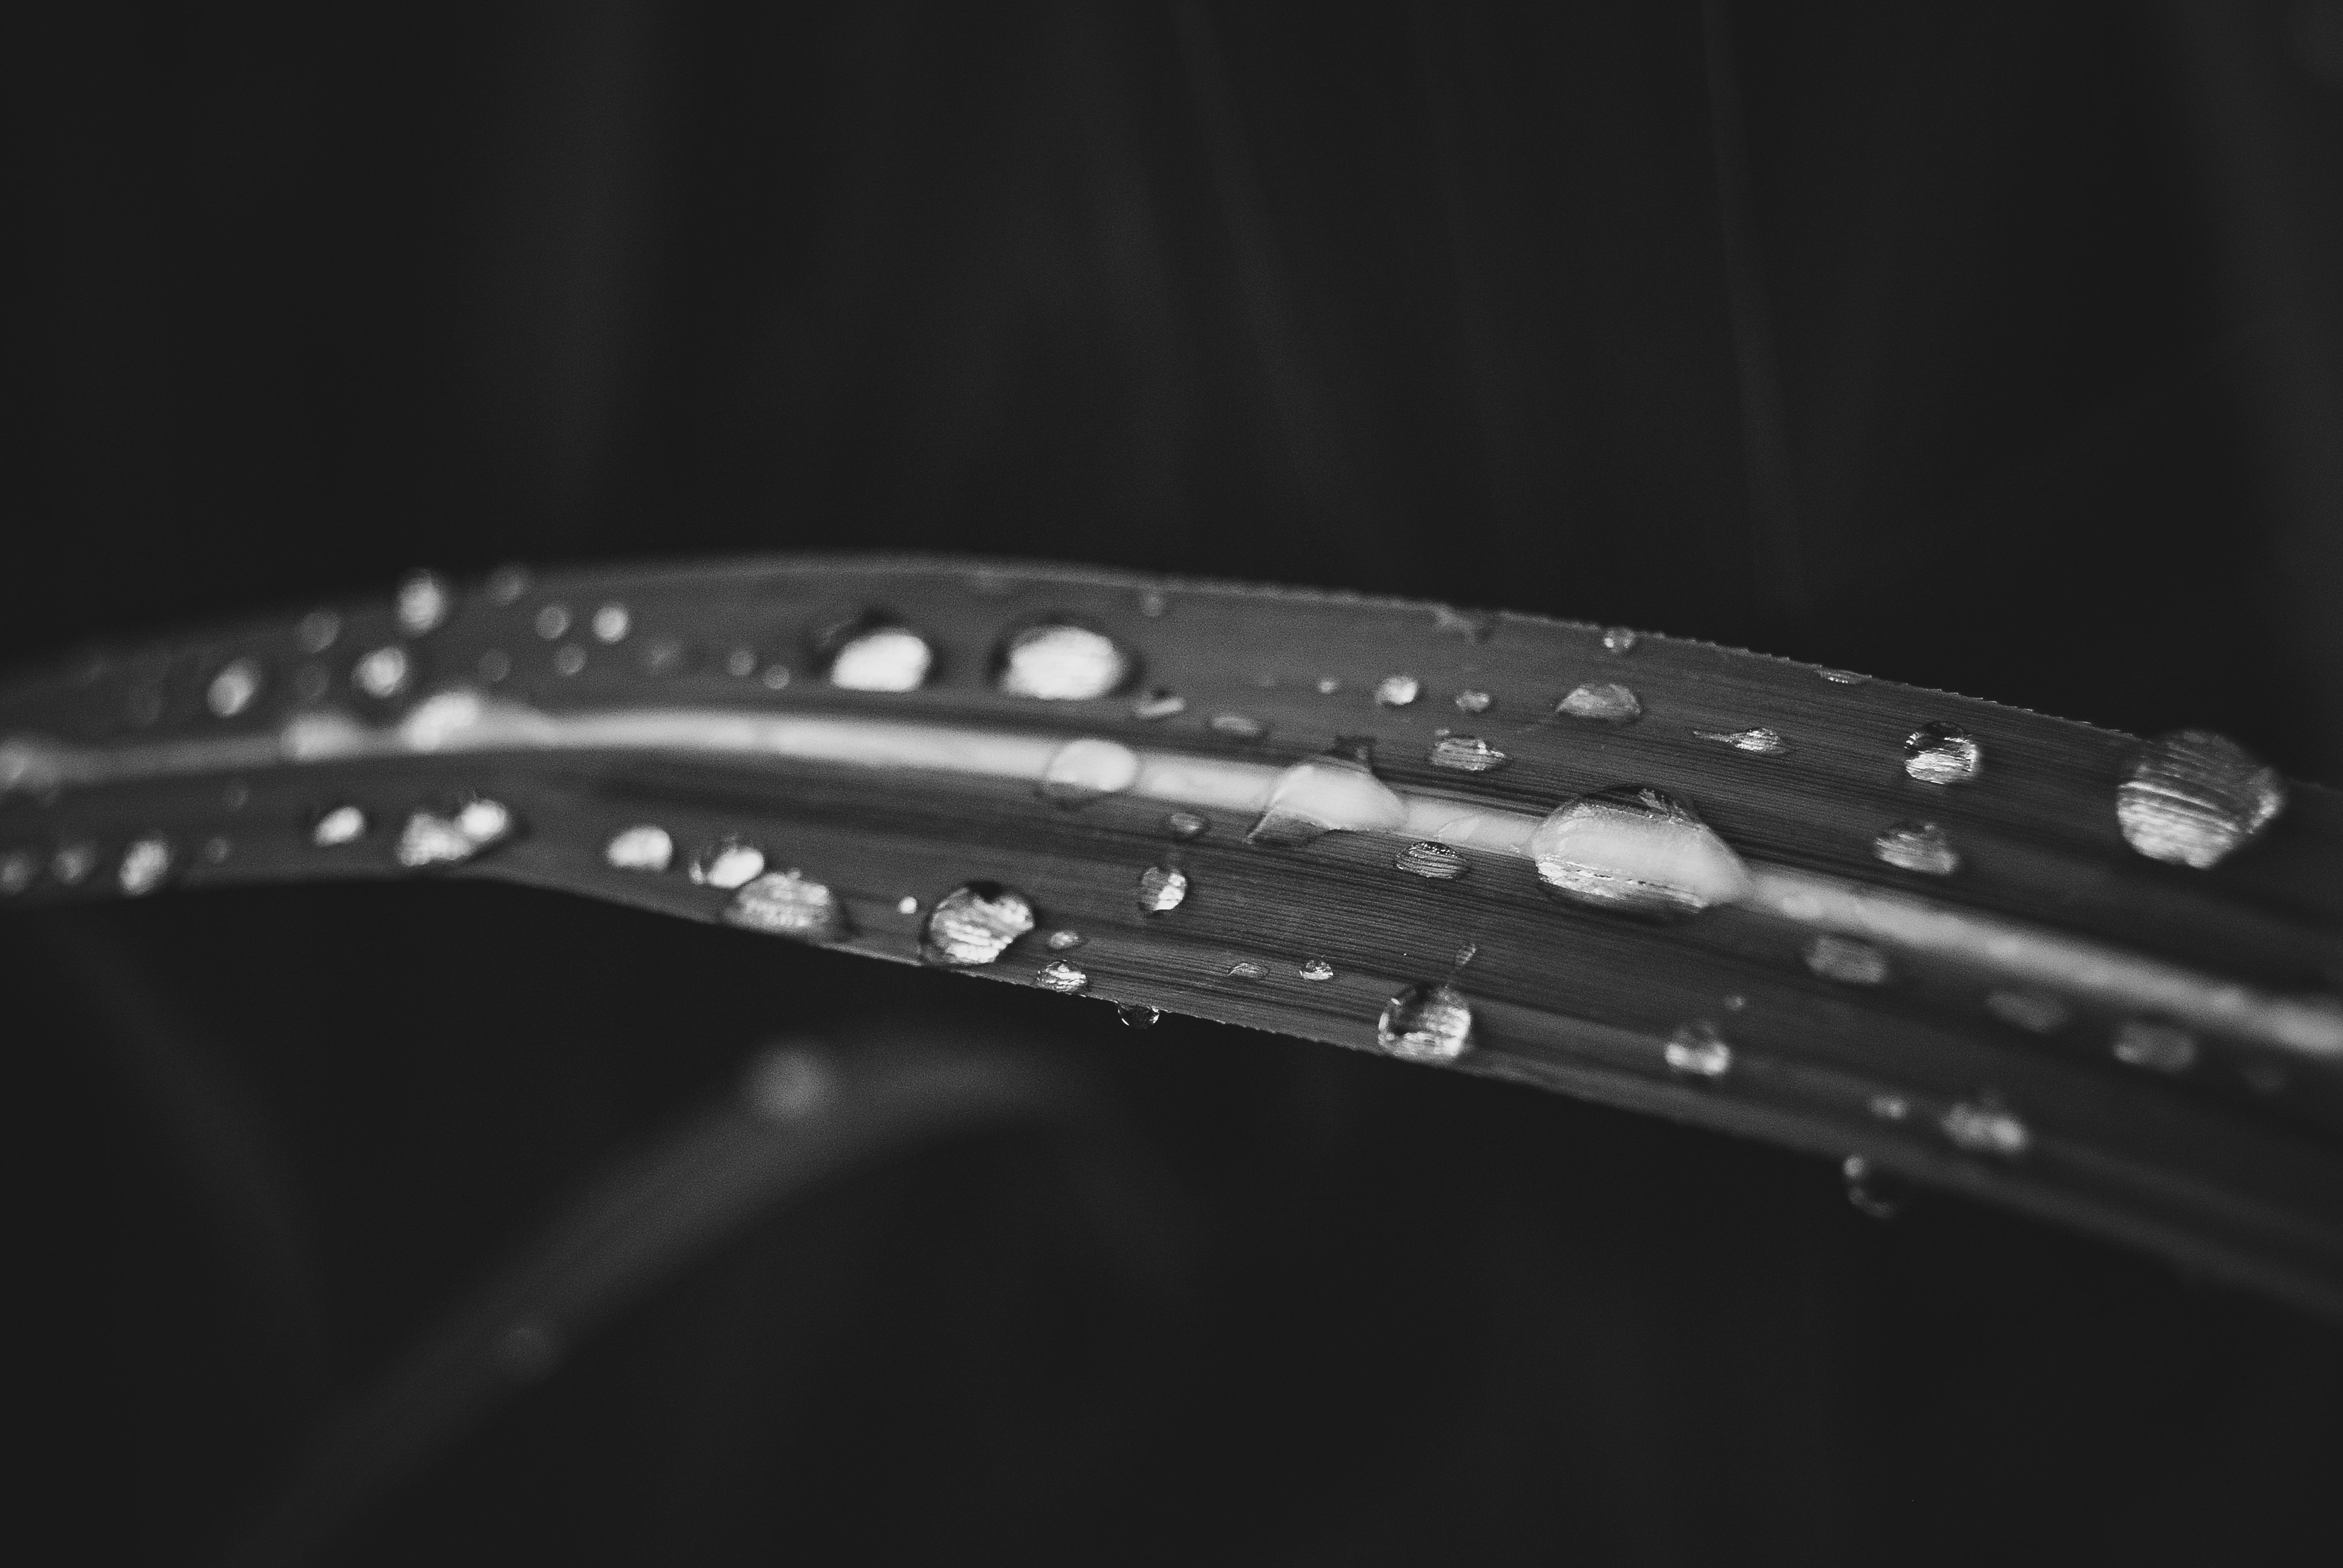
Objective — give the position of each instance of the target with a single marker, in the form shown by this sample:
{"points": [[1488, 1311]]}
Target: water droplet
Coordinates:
{"points": [[1330, 793], [1843, 677], [1638, 852], [72, 862], [1061, 662], [234, 688], [1890, 1107], [1474, 701], [495, 664], [882, 657], [1063, 978], [315, 631], [1735, 1002], [1245, 969], [1398, 691], [1081, 770], [1238, 727], [1317, 970], [1759, 742], [612, 622], [1618, 639], [145, 863], [1152, 603], [1474, 625], [1159, 704], [1440, 862], [774, 679], [18, 871], [1466, 754], [727, 863], [975, 924], [907, 905], [787, 904], [1426, 1023], [664, 656], [645, 848], [1162, 889], [2034, 1011], [382, 673], [216, 850], [423, 603], [2158, 1047], [1846, 960], [740, 662], [1878, 1193], [508, 583], [1698, 1051], [337, 825], [1982, 1127], [553, 622], [789, 1083], [1064, 941], [568, 659], [1133, 1016], [453, 835], [2194, 798], [1922, 847], [1941, 754], [1602, 701], [1186, 825], [1328, 686]]}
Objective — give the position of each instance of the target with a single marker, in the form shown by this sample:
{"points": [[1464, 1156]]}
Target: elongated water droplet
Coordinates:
{"points": [[1063, 978], [1238, 727], [1398, 691], [1466, 754], [1330, 793], [1941, 754], [72, 862], [2034, 1011], [453, 835], [1880, 1194], [1846, 960], [1317, 970], [2194, 798], [1638, 852], [1081, 770], [645, 848], [1618, 639], [552, 622], [1130, 1015], [1601, 702], [317, 632], [788, 904], [975, 924], [883, 658], [423, 603], [234, 688], [1159, 704], [1698, 1051], [728, 863], [1472, 701], [1426, 1023], [1922, 847], [1186, 825], [1245, 969], [612, 622], [1440, 862], [382, 673], [1061, 662], [337, 825], [1983, 1127], [1062, 941], [1162, 889], [2158, 1047], [1758, 742], [144, 864]]}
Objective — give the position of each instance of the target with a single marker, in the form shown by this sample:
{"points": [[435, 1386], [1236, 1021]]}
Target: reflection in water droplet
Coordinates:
{"points": [[788, 904], [1082, 770], [1440, 862], [18, 870], [145, 863], [1159, 704], [1186, 825], [2194, 798], [2037, 1013], [337, 825], [508, 583], [1601, 702], [1758, 742], [72, 862], [1133, 1016], [1238, 727], [1426, 1023], [1330, 793], [1063, 978], [1317, 970], [1697, 1050], [882, 659], [1061, 662], [1846, 960], [423, 602], [1941, 754], [382, 673], [975, 924], [644, 847], [1638, 852], [553, 622], [1161, 888], [1398, 691], [1245, 969], [1471, 701], [1982, 1127], [612, 622], [1922, 847], [568, 659], [727, 863], [1880, 1194], [1466, 754], [234, 688], [1618, 639], [451, 837], [317, 632], [1060, 942], [2158, 1047]]}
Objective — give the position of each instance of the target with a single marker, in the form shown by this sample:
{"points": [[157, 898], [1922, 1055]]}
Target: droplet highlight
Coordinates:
{"points": [[975, 924], [1065, 940], [337, 825], [1397, 690], [453, 836], [728, 863], [1637, 850], [1846, 960], [423, 603], [1162, 889], [1084, 769], [612, 622], [1601, 702], [1941, 754], [644, 847], [883, 658], [1426, 1023], [1130, 1015], [1982, 1127], [145, 865], [1470, 700], [1316, 969], [2193, 797], [1061, 662], [1698, 1051], [1436, 862], [231, 691], [1922, 847], [1618, 639], [382, 673], [1063, 978], [788, 904]]}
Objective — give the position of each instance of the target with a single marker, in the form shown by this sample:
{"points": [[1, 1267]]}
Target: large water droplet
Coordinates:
{"points": [[882, 657], [1983, 1127], [2034, 1011], [453, 835], [1922, 847], [1081, 770], [788, 904], [2194, 798], [728, 863], [1618, 639], [1317, 970], [337, 825], [144, 864], [1398, 691], [644, 847], [1061, 662], [612, 622], [1880, 1194], [1466, 754], [1638, 852], [382, 673], [1758, 742], [1698, 1051], [1846, 960], [975, 924], [234, 688], [1159, 704], [1426, 1023], [1063, 978], [1440, 862], [1133, 1016], [1329, 793], [1941, 754], [423, 603], [1162, 889], [2158, 1047], [1601, 702]]}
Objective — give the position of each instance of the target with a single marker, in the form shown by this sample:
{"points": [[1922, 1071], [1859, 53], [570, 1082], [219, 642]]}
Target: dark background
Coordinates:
{"points": [[1996, 348]]}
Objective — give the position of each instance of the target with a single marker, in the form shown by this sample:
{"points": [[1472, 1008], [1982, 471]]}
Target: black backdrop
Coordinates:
{"points": [[1997, 347]]}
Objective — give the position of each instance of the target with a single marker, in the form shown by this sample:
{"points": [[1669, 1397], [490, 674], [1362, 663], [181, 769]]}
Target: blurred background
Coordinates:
{"points": [[1996, 347]]}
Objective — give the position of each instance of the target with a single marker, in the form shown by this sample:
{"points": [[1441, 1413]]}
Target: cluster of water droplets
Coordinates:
{"points": [[453, 834]]}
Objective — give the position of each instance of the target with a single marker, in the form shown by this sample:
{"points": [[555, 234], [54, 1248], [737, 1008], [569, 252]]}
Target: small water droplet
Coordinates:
{"points": [[1982, 1127], [1466, 754], [1329, 793], [789, 1083], [1317, 970], [1328, 686], [553, 622], [1474, 625], [1698, 1051], [1159, 704], [216, 850], [727, 863], [1759, 742], [1440, 862], [1426, 1023], [423, 603], [1152, 603], [1601, 702], [337, 825], [2034, 1011], [144, 864], [1162, 889], [907, 905], [1238, 727], [315, 632], [1735, 1002], [787, 904], [612, 622], [1245, 969], [644, 847], [2193, 797], [1186, 825], [72, 862], [2158, 1047], [495, 664], [1618, 639], [1061, 662], [1470, 700], [1084, 769], [1397, 690], [1064, 941], [1877, 1193], [1922, 847], [1063, 978], [1941, 754], [570, 660], [1130, 1015], [882, 657], [18, 871], [506, 583], [975, 924], [775, 678], [740, 662], [664, 656], [382, 673], [1639, 851], [1846, 960], [453, 835], [1890, 1107], [1843, 677], [234, 688]]}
